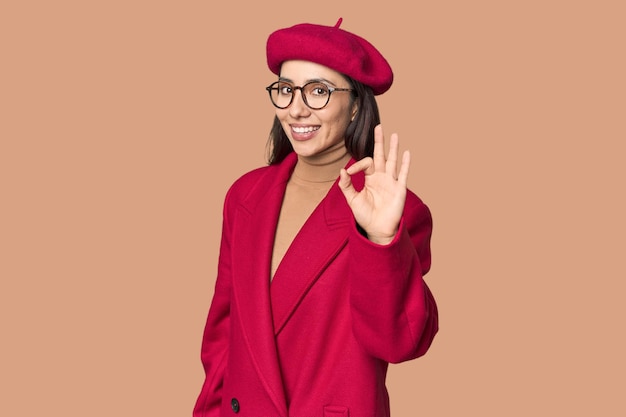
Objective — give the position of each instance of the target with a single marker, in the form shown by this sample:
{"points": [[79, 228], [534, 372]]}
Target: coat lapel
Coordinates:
{"points": [[264, 311], [253, 239], [322, 237]]}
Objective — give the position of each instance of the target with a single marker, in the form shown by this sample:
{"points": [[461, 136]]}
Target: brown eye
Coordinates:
{"points": [[285, 89], [318, 90]]}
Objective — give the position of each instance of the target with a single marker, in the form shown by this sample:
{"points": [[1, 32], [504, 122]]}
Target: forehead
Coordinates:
{"points": [[300, 72]]}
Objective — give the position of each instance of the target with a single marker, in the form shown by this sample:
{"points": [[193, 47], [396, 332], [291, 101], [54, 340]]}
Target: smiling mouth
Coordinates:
{"points": [[307, 129]]}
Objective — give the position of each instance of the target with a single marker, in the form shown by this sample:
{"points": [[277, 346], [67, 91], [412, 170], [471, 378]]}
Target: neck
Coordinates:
{"points": [[323, 167]]}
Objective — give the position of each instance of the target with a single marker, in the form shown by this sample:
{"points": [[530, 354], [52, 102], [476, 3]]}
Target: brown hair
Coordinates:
{"points": [[359, 135]]}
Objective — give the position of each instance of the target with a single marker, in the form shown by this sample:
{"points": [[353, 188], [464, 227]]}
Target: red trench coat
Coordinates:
{"points": [[316, 341]]}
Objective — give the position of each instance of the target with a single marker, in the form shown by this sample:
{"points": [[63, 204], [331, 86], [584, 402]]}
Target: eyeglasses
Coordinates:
{"points": [[315, 94]]}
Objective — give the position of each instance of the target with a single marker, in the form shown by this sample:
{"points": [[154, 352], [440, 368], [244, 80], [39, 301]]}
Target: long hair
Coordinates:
{"points": [[359, 135]]}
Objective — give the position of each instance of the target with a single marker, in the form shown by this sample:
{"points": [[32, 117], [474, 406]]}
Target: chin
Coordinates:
{"points": [[303, 148], [305, 152]]}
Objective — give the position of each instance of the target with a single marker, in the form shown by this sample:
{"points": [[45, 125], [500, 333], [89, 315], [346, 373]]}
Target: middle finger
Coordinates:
{"points": [[379, 149]]}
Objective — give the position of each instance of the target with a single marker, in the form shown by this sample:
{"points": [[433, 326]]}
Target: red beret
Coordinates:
{"points": [[332, 47]]}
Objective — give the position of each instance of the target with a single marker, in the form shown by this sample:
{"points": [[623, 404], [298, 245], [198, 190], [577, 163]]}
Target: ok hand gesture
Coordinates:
{"points": [[378, 207]]}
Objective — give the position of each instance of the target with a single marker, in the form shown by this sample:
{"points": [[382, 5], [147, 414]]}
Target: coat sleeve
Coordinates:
{"points": [[215, 341], [394, 314]]}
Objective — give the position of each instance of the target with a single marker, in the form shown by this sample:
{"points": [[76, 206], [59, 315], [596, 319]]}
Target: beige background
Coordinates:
{"points": [[122, 124]]}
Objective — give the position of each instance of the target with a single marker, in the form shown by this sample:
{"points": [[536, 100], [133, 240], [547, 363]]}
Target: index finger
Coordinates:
{"points": [[379, 149]]}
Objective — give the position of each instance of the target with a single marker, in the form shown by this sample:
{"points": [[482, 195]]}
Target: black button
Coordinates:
{"points": [[234, 404]]}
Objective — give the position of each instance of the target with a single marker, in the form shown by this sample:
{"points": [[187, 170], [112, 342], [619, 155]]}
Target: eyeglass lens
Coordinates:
{"points": [[315, 94]]}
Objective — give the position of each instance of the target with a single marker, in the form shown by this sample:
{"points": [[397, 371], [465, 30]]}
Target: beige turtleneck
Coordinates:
{"points": [[310, 181]]}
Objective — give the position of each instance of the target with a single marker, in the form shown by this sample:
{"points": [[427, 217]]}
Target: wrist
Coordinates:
{"points": [[381, 240]]}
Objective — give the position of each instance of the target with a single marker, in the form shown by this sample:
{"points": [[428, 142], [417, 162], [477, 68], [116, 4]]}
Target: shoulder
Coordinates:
{"points": [[415, 206], [250, 178], [248, 182], [254, 184], [419, 224], [417, 216]]}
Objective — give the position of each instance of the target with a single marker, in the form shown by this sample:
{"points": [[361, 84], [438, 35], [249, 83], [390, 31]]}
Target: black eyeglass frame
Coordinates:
{"points": [[331, 90]]}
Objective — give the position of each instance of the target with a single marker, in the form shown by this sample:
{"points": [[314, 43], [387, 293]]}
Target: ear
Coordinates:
{"points": [[355, 109]]}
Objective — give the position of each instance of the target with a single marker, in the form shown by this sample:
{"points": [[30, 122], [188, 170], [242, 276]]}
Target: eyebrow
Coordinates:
{"points": [[312, 80]]}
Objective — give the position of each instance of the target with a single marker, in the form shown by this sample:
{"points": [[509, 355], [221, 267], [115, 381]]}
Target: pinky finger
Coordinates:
{"points": [[403, 175]]}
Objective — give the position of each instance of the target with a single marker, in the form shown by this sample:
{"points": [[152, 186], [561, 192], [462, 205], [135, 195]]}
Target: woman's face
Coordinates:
{"points": [[314, 132]]}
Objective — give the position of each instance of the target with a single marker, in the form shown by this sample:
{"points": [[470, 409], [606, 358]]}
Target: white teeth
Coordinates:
{"points": [[304, 129]]}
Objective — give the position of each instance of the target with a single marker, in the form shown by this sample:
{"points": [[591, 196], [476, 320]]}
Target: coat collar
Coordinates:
{"points": [[264, 309], [321, 238]]}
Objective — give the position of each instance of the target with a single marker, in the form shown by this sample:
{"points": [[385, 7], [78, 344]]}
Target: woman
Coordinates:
{"points": [[320, 276]]}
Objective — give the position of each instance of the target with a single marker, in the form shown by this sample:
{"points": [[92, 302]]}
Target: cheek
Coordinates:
{"points": [[341, 121], [335, 116], [282, 120], [282, 117]]}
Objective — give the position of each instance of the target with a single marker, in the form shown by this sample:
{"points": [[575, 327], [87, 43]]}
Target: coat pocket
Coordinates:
{"points": [[336, 411]]}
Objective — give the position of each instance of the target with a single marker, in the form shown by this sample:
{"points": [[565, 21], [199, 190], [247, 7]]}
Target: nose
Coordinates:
{"points": [[298, 108]]}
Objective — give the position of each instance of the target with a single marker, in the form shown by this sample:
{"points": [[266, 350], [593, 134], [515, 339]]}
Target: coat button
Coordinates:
{"points": [[234, 404]]}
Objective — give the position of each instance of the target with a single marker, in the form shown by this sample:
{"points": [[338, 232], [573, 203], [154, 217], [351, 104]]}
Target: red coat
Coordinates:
{"points": [[316, 341]]}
